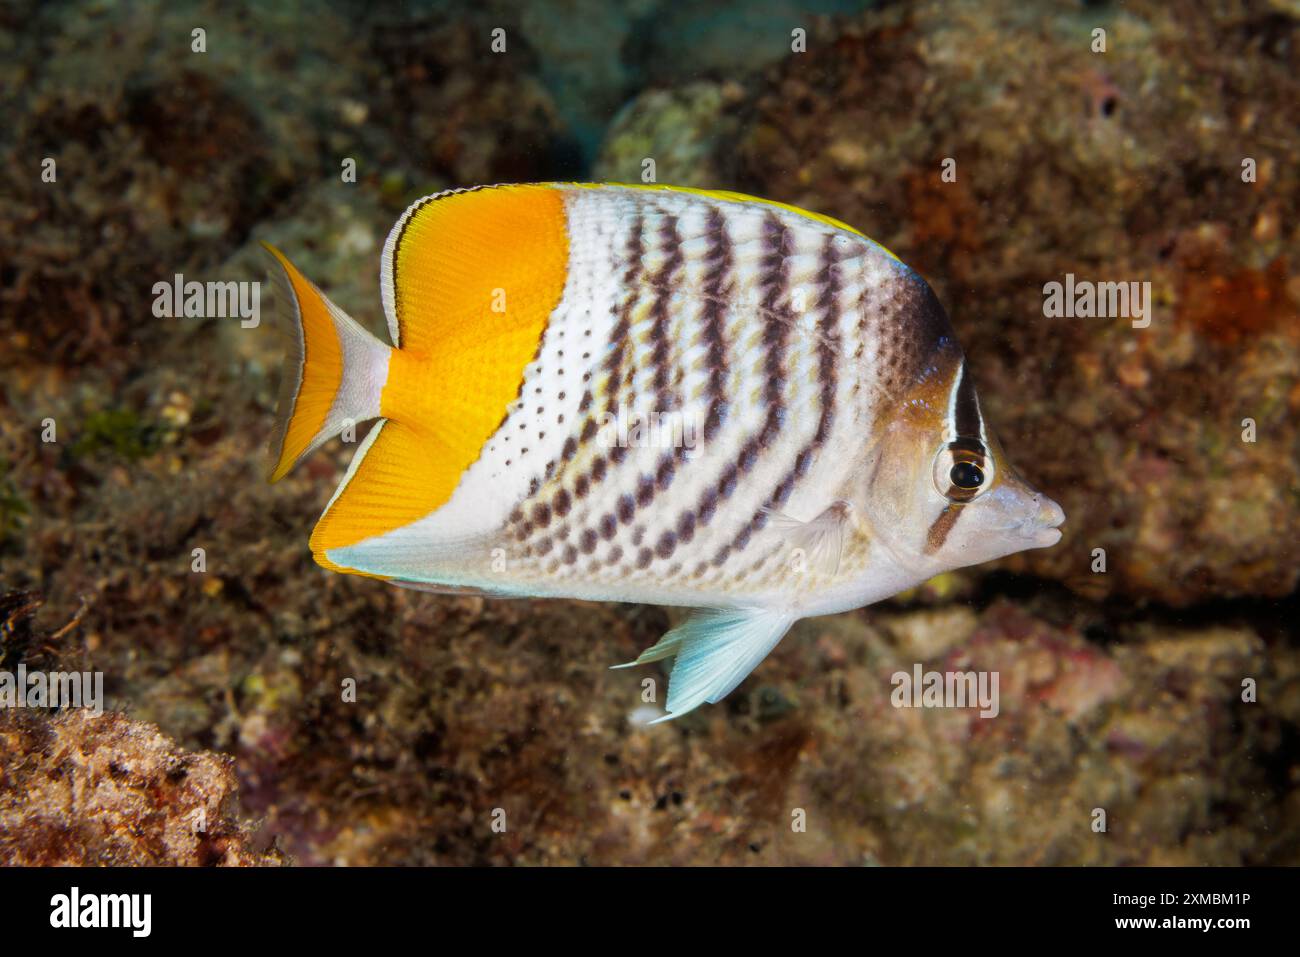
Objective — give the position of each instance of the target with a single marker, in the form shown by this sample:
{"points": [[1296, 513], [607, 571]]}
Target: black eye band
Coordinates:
{"points": [[968, 448], [966, 410]]}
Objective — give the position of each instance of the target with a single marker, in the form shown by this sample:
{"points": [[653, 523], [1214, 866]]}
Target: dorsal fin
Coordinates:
{"points": [[463, 265]]}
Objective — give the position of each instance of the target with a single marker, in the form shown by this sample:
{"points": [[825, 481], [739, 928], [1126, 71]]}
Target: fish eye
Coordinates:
{"points": [[966, 475], [963, 470]]}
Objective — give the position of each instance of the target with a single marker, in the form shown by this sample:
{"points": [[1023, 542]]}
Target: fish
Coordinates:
{"points": [[650, 394]]}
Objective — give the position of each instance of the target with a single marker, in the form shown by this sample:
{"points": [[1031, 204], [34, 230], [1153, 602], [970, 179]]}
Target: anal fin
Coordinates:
{"points": [[388, 485], [716, 649]]}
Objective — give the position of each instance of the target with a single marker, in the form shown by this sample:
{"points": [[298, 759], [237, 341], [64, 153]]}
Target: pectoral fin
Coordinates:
{"points": [[821, 539], [715, 650]]}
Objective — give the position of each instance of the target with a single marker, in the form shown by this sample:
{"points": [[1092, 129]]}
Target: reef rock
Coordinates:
{"points": [[82, 789]]}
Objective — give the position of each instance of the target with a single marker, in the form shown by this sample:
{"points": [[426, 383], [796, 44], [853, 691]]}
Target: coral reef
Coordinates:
{"points": [[80, 788], [685, 131], [84, 790], [454, 106], [174, 154]]}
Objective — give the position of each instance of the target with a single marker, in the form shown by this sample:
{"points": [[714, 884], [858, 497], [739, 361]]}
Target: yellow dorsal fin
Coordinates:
{"points": [[468, 264]]}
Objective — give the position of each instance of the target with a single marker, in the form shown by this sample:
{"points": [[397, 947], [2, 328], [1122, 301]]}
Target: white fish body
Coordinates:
{"points": [[803, 406]]}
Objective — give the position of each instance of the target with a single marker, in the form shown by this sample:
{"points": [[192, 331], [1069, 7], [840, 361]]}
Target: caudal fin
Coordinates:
{"points": [[333, 378]]}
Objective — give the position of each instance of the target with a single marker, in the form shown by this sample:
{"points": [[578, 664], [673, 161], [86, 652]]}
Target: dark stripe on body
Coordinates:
{"points": [[660, 341], [717, 294], [660, 315], [938, 531], [621, 370], [828, 351], [774, 285], [633, 256]]}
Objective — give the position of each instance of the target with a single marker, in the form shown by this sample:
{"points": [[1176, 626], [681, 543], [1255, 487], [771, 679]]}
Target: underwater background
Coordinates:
{"points": [[1156, 680]]}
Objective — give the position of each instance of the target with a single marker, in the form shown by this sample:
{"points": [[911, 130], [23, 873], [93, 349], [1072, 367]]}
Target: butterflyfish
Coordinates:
{"points": [[651, 394]]}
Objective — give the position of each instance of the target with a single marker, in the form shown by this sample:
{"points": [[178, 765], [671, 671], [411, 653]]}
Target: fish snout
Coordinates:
{"points": [[1042, 527]]}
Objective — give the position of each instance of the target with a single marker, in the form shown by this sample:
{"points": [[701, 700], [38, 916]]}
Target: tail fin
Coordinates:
{"points": [[335, 376]]}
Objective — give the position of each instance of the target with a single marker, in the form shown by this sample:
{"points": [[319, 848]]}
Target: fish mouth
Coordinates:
{"points": [[1042, 537], [1042, 529]]}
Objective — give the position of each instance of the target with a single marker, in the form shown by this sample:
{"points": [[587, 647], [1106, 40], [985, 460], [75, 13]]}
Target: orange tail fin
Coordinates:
{"points": [[335, 376]]}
